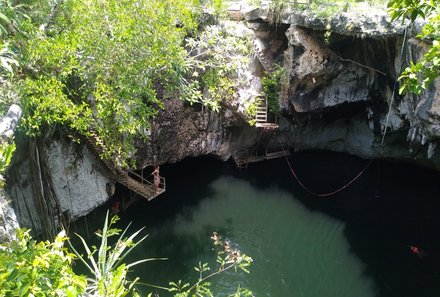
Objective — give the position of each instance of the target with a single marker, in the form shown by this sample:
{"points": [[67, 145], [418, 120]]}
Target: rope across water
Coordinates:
{"points": [[382, 142], [322, 194]]}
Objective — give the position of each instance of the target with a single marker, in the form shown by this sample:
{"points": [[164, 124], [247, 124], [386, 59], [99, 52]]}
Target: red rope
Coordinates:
{"points": [[323, 194]]}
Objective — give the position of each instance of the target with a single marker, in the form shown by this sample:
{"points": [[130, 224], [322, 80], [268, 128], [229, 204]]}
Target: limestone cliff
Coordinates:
{"points": [[341, 73], [56, 183], [340, 76]]}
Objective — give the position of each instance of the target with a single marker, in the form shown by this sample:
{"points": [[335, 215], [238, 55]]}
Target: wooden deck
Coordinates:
{"points": [[277, 154], [267, 125], [242, 161]]}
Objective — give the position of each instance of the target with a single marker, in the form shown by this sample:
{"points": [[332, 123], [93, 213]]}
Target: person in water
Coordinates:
{"points": [[115, 207], [415, 250]]}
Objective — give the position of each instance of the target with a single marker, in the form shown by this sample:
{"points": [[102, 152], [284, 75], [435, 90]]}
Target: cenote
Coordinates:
{"points": [[356, 243]]}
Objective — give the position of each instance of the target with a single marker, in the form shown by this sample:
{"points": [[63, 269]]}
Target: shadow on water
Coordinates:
{"points": [[390, 208]]}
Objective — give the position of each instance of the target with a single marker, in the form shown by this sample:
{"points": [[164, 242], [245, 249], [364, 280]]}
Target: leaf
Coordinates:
{"points": [[4, 18], [71, 292]]}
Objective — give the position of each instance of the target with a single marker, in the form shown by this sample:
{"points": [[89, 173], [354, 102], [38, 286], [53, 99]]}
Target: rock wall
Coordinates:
{"points": [[8, 219], [340, 76], [79, 183], [181, 131]]}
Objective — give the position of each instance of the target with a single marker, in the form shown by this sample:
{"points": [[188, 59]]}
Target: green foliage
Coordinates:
{"points": [[31, 268], [7, 60], [106, 262], [328, 9], [276, 10], [251, 112], [411, 9], [216, 5], [6, 152], [271, 87], [97, 66], [219, 87], [418, 76], [38, 269], [11, 13], [228, 258], [215, 56]]}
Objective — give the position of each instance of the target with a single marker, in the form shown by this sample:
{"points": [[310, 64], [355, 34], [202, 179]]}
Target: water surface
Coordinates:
{"points": [[353, 244]]}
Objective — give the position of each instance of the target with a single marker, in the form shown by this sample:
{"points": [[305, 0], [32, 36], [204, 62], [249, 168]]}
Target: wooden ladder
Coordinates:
{"points": [[261, 114], [260, 111]]}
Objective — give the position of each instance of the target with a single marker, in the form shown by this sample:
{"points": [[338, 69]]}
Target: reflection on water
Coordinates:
{"points": [[296, 252]]}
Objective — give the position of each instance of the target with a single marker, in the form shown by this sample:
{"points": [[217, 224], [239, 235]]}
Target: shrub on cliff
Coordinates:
{"points": [[420, 74]]}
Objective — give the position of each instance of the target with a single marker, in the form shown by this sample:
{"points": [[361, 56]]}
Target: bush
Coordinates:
{"points": [[31, 268], [38, 269]]}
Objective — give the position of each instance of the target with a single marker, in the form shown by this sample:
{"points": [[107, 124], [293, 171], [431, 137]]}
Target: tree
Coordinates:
{"points": [[418, 76], [215, 56], [102, 67]]}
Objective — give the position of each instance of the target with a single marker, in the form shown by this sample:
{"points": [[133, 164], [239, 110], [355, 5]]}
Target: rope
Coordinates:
{"points": [[383, 136], [394, 88], [323, 194]]}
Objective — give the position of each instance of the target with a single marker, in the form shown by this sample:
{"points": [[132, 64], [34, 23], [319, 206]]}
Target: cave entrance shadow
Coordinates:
{"points": [[392, 207]]}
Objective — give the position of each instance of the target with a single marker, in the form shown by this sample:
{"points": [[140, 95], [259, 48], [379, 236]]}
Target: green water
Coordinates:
{"points": [[296, 252], [352, 245]]}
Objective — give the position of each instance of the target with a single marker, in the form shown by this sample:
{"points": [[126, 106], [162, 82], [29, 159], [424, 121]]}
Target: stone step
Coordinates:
{"points": [[259, 48]]}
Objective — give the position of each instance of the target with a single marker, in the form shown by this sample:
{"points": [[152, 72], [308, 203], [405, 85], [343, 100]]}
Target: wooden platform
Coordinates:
{"points": [[277, 154], [267, 125], [242, 161]]}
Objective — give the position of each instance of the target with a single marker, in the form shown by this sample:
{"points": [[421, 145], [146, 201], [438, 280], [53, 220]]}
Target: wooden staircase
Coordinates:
{"points": [[261, 114], [134, 182]]}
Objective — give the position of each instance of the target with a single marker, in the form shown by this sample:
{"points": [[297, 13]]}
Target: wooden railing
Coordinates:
{"points": [[132, 180]]}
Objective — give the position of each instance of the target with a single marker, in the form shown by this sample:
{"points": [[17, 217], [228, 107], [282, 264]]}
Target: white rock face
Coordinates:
{"points": [[8, 220], [363, 22], [79, 185], [9, 122]]}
